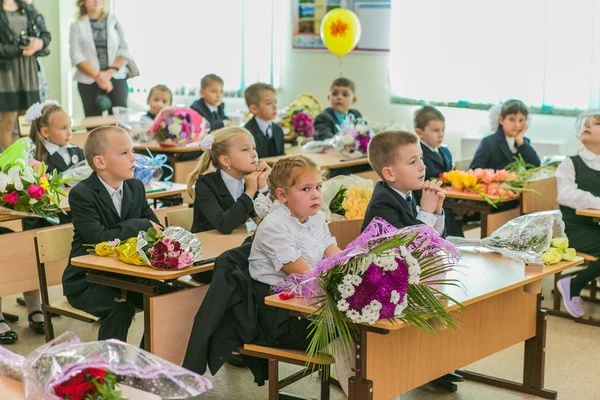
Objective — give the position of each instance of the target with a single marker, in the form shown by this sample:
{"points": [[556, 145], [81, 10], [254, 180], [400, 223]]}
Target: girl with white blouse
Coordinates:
{"points": [[291, 239]]}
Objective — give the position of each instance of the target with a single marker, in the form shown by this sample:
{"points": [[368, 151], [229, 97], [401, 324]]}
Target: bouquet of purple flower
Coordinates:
{"points": [[353, 135], [178, 126], [385, 273], [303, 124]]}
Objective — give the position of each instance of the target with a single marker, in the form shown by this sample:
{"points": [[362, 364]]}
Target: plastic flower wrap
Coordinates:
{"points": [[64, 366], [492, 185], [353, 136], [296, 120], [523, 238], [77, 173], [346, 196], [135, 122], [176, 248], [26, 189], [178, 126], [127, 252], [150, 168], [385, 273]]}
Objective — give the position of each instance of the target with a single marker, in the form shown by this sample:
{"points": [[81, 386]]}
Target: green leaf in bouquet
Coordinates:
{"points": [[336, 203], [151, 234]]}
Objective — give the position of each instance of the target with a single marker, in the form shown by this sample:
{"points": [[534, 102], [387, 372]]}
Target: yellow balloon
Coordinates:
{"points": [[340, 31]]}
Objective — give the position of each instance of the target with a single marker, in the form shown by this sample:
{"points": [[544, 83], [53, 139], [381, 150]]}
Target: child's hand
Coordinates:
{"points": [[520, 138], [157, 227], [227, 122], [441, 198], [251, 181], [264, 170], [429, 200]]}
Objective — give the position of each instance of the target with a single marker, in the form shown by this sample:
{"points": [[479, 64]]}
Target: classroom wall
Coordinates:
{"points": [[305, 71]]}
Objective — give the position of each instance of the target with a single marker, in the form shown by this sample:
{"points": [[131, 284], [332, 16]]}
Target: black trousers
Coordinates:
{"points": [[586, 240], [115, 316], [88, 93]]}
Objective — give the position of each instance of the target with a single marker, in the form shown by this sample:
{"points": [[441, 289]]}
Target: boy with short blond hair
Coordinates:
{"points": [[268, 136], [108, 205], [342, 94]]}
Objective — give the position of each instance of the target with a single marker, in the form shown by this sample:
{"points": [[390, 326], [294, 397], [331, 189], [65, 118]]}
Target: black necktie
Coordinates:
{"points": [[410, 202], [215, 115], [268, 132], [441, 158]]}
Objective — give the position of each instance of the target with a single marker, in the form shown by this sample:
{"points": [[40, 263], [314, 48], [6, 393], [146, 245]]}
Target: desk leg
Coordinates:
{"points": [[359, 387], [533, 364], [483, 224], [147, 319]]}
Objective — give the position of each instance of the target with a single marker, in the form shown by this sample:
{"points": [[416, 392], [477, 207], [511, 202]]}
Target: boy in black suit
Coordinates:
{"points": [[397, 158], [210, 104], [429, 126], [268, 136], [106, 206], [341, 96], [500, 149]]}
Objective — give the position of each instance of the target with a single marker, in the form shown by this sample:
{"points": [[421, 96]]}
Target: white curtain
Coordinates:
{"points": [[544, 52], [176, 42]]}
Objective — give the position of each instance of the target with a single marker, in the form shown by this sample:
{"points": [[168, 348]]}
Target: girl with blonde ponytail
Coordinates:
{"points": [[227, 179]]}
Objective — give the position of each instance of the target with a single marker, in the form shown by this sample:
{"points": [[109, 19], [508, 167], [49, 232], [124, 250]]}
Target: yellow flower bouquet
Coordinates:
{"points": [[346, 197]]}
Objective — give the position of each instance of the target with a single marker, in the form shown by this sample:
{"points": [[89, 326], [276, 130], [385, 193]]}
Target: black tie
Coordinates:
{"points": [[215, 115], [268, 132], [439, 154], [410, 202]]}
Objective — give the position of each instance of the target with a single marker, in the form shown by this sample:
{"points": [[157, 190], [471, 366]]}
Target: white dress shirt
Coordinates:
{"points": [[116, 195], [62, 150], [281, 239], [568, 193], [432, 220], [434, 149], [236, 187], [212, 109], [265, 127], [511, 144]]}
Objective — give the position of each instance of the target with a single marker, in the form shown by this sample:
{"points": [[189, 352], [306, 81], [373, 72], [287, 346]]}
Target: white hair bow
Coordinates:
{"points": [[35, 111]]}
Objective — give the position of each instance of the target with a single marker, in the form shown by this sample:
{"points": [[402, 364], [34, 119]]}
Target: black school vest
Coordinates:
{"points": [[586, 179]]}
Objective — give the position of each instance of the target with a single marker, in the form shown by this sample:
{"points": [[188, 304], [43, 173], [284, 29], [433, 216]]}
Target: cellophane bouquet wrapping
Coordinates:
{"points": [[137, 123], [178, 126], [353, 137], [77, 173], [346, 196], [147, 169], [176, 248], [523, 238], [50, 369]]}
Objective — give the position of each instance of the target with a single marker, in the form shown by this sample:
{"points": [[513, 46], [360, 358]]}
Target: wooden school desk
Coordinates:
{"points": [[144, 279], [87, 123], [589, 212], [502, 309], [327, 160]]}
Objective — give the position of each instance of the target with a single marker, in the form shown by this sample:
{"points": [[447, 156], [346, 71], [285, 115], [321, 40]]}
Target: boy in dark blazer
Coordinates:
{"points": [[106, 206], [341, 96], [268, 136], [500, 149], [210, 105], [429, 126]]}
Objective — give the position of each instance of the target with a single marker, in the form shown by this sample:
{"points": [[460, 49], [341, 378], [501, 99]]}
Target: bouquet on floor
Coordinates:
{"points": [[493, 185], [174, 249], [26, 189], [526, 238], [353, 136], [67, 368], [386, 273], [178, 126], [346, 196], [297, 119]]}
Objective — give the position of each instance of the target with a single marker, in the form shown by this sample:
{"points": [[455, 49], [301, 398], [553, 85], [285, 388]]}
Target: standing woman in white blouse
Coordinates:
{"points": [[578, 181], [100, 53], [291, 239]]}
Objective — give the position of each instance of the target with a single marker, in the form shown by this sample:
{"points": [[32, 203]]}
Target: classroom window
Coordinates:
{"points": [[472, 52], [179, 41]]}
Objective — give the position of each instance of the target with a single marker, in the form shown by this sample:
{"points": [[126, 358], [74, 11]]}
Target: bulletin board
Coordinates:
{"points": [[374, 16]]}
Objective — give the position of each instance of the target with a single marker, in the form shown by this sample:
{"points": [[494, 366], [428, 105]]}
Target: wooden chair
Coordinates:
{"points": [[372, 175], [531, 202], [182, 217], [55, 245], [296, 357], [345, 231], [161, 213], [593, 287]]}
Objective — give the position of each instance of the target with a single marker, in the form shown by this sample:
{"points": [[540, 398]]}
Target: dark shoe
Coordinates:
{"points": [[452, 377], [237, 361], [9, 336], [38, 327]]}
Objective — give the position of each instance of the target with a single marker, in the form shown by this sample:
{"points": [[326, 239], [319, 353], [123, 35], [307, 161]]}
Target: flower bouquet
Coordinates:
{"points": [[296, 119], [66, 368], [353, 137], [525, 171], [346, 196], [385, 273], [26, 189], [524, 238], [492, 185], [178, 126], [175, 249], [150, 168], [558, 251]]}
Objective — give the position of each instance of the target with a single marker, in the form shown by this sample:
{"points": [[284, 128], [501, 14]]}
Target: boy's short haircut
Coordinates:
{"points": [[97, 142], [252, 93], [209, 79], [161, 88], [425, 115], [383, 148], [343, 82]]}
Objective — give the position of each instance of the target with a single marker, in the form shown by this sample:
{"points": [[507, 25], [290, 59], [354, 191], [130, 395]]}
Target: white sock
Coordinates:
{"points": [[33, 302]]}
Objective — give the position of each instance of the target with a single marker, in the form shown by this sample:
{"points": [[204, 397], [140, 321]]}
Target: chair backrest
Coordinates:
{"points": [[371, 175], [182, 218], [54, 244], [462, 165], [531, 202], [161, 213], [345, 231]]}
